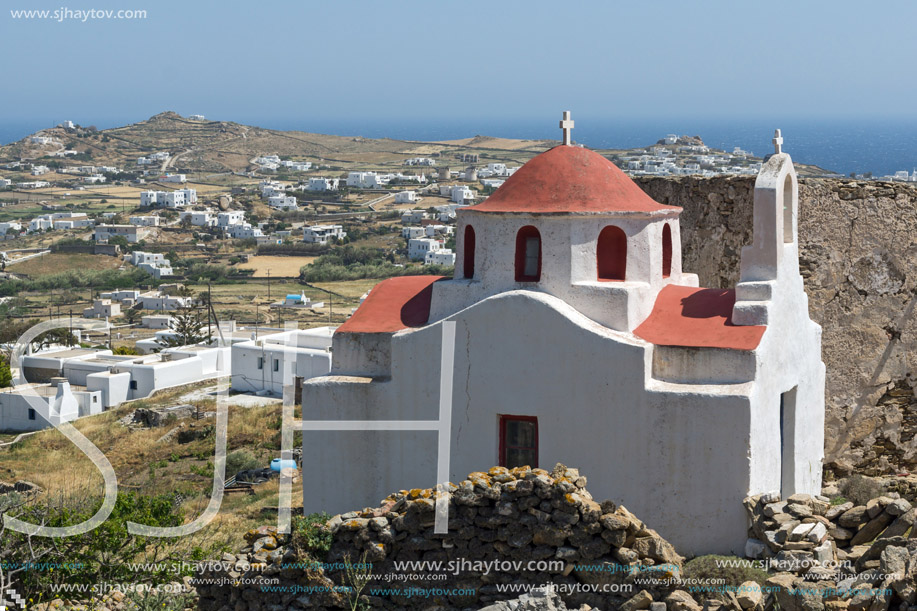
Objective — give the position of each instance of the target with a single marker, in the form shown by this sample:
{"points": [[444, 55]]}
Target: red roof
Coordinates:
{"points": [[697, 318], [570, 179], [393, 305]]}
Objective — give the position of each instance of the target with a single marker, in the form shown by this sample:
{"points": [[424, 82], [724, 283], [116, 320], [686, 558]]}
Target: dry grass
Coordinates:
{"points": [[277, 266], [146, 463], [54, 263]]}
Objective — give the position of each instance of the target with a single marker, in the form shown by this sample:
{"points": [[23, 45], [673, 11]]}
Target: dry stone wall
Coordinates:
{"points": [[858, 255]]}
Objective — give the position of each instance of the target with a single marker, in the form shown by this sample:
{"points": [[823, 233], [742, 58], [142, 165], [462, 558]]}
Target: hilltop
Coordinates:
{"points": [[226, 146]]}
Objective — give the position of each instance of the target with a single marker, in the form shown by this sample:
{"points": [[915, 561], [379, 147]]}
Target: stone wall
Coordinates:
{"points": [[858, 256], [506, 527]]}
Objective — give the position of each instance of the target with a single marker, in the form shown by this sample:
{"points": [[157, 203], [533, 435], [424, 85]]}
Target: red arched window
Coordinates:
{"points": [[611, 254], [468, 249], [666, 251], [528, 255]]}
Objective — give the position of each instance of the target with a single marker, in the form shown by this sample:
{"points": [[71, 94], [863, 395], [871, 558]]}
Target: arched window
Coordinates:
{"points": [[611, 254], [666, 251], [788, 210], [468, 249], [528, 255]]}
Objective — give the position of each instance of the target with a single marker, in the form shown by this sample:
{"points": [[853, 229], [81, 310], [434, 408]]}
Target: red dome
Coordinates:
{"points": [[570, 179]]}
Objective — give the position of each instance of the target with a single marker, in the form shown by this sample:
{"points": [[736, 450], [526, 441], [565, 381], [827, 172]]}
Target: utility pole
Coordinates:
{"points": [[70, 337], [330, 307], [209, 307], [268, 285]]}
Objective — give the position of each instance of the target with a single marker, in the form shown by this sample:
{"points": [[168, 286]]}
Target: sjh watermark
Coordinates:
{"points": [[441, 425], [66, 14]]}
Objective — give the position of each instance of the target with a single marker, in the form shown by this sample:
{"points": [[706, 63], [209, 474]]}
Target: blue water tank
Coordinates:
{"points": [[278, 464]]}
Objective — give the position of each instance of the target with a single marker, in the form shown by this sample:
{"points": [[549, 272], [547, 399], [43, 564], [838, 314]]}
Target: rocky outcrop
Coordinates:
{"points": [[859, 261]]}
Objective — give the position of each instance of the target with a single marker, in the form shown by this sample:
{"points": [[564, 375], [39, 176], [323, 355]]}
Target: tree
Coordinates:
{"points": [[186, 325], [132, 315], [6, 376]]}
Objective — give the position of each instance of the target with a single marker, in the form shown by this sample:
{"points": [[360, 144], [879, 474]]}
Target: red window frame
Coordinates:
{"points": [[468, 249], [666, 251], [504, 418], [529, 231]]}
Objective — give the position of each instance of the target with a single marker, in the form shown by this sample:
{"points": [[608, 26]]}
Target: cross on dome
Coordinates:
{"points": [[778, 142], [566, 125]]}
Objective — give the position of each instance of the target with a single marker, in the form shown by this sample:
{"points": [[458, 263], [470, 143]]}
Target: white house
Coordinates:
{"points": [[127, 298], [103, 308], [39, 170], [160, 302], [168, 199], [323, 184], [179, 178], [282, 202], [322, 234], [195, 117], [443, 256], [5, 182], [156, 321], [363, 180], [42, 140], [405, 197], [230, 217], [132, 233], [412, 217], [32, 407], [145, 221], [199, 218], [160, 156], [419, 247], [578, 338], [412, 232], [461, 194], [298, 302], [154, 264], [267, 363], [10, 227], [243, 231]]}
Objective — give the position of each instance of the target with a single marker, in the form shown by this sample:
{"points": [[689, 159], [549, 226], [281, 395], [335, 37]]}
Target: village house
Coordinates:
{"points": [[154, 264], [145, 221], [405, 197], [282, 202], [5, 182], [230, 217], [412, 217], [580, 339], [132, 233], [323, 234], [419, 247], [10, 227], [199, 218], [39, 170], [168, 199], [36, 406], [363, 180], [298, 301], [179, 178], [461, 194], [443, 256], [161, 301], [102, 308], [266, 364], [413, 232], [322, 184], [156, 321], [243, 231], [126, 298]]}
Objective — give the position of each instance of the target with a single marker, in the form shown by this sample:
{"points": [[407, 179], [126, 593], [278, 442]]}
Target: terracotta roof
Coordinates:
{"points": [[697, 318], [393, 305], [570, 179]]}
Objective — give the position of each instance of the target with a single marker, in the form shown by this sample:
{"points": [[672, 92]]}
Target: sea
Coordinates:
{"points": [[881, 146]]}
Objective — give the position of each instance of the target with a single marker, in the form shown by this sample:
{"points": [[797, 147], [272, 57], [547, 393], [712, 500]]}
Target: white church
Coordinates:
{"points": [[580, 339]]}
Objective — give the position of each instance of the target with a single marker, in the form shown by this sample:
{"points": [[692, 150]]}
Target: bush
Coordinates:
{"points": [[732, 570], [240, 460], [310, 535], [861, 489]]}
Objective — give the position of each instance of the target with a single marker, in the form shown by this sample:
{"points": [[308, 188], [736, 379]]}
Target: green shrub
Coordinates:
{"points": [[310, 534], [240, 460]]}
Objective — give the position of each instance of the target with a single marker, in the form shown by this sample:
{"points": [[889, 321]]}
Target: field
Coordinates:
{"points": [[277, 266], [53, 263]]}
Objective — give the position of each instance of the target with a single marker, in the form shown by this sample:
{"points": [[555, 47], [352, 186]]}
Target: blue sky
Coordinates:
{"points": [[439, 59]]}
